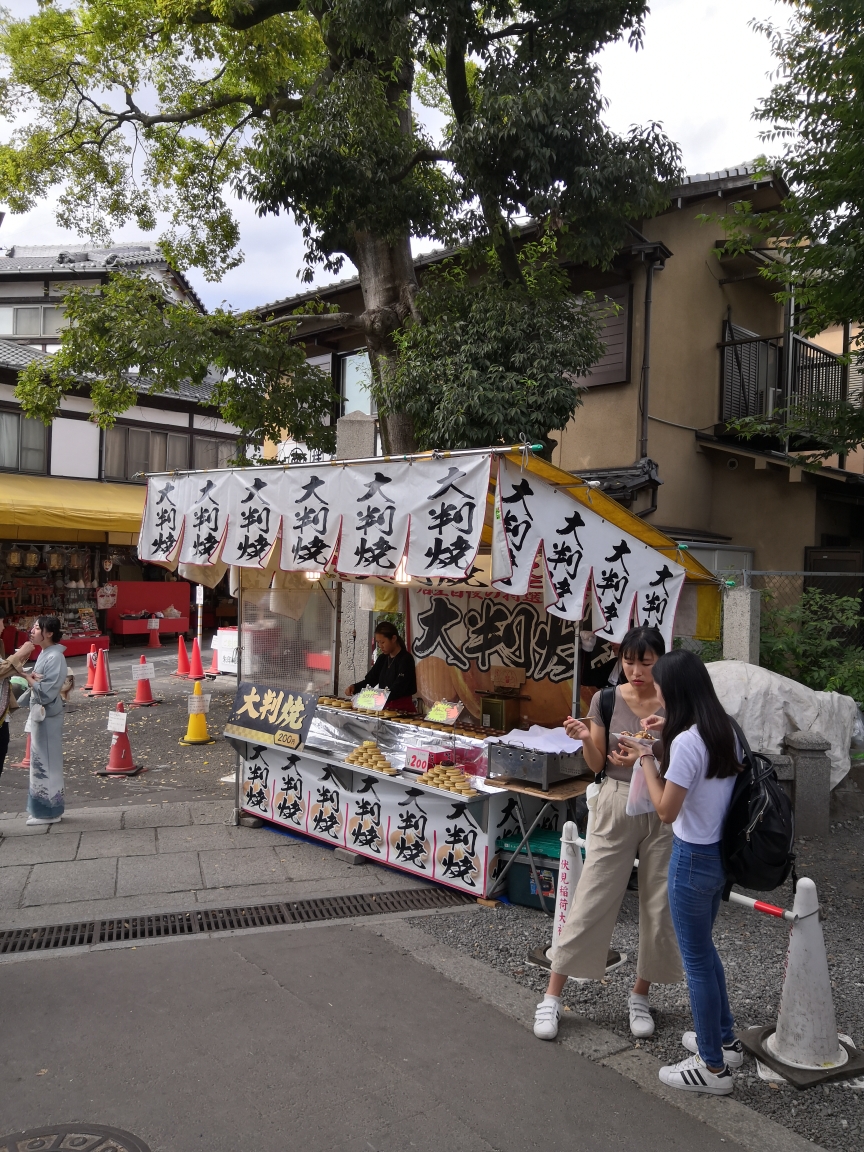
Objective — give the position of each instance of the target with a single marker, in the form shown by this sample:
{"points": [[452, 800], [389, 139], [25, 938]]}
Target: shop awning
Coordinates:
{"points": [[49, 502]]}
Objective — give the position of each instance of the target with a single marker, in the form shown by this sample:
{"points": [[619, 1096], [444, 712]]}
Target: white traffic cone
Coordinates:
{"points": [[569, 871], [806, 1035], [804, 1047]]}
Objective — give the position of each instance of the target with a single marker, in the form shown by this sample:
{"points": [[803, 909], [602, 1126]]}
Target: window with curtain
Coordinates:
{"points": [[212, 453], [22, 443], [138, 450]]}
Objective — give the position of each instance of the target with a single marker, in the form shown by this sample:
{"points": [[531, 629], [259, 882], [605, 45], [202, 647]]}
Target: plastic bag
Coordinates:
{"points": [[639, 801], [37, 713]]}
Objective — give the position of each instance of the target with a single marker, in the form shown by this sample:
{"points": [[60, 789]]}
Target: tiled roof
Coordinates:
{"points": [[749, 169], [83, 259], [18, 356]]}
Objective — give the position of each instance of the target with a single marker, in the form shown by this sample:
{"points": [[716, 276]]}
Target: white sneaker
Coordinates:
{"points": [[641, 1020], [733, 1053], [31, 820], [691, 1075], [546, 1019]]}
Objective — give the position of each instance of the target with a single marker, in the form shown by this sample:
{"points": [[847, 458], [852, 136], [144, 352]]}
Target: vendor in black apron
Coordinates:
{"points": [[394, 669]]}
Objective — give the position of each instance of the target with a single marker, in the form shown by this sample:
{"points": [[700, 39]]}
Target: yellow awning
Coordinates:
{"points": [[49, 502]]}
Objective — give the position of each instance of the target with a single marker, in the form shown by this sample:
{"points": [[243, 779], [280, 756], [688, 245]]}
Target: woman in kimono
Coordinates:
{"points": [[45, 803], [9, 666]]}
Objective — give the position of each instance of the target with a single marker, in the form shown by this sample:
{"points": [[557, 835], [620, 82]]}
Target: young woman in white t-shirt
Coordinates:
{"points": [[691, 789]]}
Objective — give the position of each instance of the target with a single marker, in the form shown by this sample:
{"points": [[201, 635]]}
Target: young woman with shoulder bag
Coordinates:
{"points": [[691, 789]]}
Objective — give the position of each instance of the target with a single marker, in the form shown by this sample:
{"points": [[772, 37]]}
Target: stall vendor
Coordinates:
{"points": [[394, 669]]}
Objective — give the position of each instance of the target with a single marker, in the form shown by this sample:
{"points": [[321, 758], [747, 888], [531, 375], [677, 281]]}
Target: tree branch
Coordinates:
{"points": [[348, 319], [248, 13], [421, 156]]}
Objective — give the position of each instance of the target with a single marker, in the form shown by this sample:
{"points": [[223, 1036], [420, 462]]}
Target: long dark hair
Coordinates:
{"points": [[690, 699], [640, 640]]}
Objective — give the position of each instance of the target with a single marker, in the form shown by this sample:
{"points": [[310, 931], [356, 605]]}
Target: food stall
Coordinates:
{"points": [[497, 559]]}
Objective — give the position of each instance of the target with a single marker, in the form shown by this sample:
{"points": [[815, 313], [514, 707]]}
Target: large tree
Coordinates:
{"points": [[134, 108], [814, 114]]}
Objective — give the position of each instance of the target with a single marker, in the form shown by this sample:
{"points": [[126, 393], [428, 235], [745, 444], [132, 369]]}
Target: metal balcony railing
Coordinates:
{"points": [[759, 375]]}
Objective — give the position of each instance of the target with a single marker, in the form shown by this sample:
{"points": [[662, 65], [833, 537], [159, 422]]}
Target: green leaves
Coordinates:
{"points": [[133, 337], [492, 362], [811, 641]]}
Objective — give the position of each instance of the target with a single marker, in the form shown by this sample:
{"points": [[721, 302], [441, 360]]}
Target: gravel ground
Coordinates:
{"points": [[753, 949], [174, 772]]}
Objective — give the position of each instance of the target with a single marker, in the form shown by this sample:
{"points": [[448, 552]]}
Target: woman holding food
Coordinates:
{"points": [[616, 838], [691, 789]]}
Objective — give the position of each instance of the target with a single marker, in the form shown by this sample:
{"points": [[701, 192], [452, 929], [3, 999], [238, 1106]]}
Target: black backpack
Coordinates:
{"points": [[759, 832]]}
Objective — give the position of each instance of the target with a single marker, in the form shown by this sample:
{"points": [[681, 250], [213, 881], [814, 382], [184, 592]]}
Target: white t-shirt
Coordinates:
{"points": [[703, 812]]}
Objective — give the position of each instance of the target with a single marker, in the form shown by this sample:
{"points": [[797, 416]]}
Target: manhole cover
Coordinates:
{"points": [[81, 1137]]}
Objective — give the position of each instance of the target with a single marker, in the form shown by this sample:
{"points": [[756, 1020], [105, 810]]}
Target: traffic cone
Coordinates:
{"points": [[182, 658], [120, 761], [196, 729], [154, 641], [213, 670], [25, 761], [101, 687], [143, 694], [91, 668], [196, 672], [804, 1047]]}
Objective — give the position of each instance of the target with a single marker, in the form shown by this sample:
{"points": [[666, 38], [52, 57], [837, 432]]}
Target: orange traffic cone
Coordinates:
{"points": [[25, 762], [213, 670], [143, 694], [91, 669], [196, 672], [120, 761], [154, 641], [182, 658], [101, 687], [196, 729]]}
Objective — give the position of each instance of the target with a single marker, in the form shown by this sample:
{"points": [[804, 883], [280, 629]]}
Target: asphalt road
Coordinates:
{"points": [[327, 1038]]}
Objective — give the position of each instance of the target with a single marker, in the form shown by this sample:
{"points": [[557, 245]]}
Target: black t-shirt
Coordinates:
{"points": [[394, 672]]}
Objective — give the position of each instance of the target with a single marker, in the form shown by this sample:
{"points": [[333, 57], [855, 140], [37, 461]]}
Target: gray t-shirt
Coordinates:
{"points": [[624, 719]]}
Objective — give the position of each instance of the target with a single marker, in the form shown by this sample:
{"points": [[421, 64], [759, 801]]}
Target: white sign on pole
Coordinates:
{"points": [[153, 624], [199, 593], [199, 703], [144, 671], [117, 721]]}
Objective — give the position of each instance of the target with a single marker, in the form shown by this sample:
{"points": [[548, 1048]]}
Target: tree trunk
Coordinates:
{"points": [[389, 285]]}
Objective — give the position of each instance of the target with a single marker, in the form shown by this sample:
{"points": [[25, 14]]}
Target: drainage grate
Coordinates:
{"points": [[205, 920]]}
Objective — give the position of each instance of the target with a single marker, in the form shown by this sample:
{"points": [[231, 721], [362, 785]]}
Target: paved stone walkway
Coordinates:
{"points": [[167, 857]]}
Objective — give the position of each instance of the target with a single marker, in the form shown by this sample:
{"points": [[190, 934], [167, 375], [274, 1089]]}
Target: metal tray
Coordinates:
{"points": [[542, 768]]}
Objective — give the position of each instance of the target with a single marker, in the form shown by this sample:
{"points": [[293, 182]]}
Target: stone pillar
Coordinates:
{"points": [[812, 775], [355, 436], [355, 440], [741, 611]]}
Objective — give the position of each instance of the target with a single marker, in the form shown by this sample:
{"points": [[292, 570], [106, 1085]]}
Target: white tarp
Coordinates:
{"points": [[769, 707]]}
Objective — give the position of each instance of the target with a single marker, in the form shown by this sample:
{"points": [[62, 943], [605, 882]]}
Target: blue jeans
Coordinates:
{"points": [[696, 880]]}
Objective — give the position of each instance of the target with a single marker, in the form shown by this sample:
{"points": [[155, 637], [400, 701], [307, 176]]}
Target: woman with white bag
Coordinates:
{"points": [[616, 838], [45, 804]]}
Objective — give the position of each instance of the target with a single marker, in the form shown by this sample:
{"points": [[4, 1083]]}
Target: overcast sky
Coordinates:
{"points": [[700, 74]]}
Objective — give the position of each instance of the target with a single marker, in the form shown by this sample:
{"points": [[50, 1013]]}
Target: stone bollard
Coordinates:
{"points": [[811, 770]]}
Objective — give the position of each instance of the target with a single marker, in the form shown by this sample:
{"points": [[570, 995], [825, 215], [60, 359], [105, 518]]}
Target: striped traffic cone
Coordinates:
{"points": [[101, 687], [25, 761], [91, 669]]}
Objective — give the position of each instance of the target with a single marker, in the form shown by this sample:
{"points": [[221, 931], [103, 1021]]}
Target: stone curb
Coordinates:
{"points": [[747, 1128]]}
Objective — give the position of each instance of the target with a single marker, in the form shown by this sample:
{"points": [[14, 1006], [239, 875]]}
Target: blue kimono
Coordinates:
{"points": [[46, 800]]}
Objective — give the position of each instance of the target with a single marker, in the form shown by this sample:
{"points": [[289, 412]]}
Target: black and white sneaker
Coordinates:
{"points": [[538, 958], [733, 1053], [691, 1075]]}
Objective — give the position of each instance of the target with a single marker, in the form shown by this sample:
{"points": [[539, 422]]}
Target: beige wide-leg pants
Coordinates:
{"points": [[616, 839]]}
